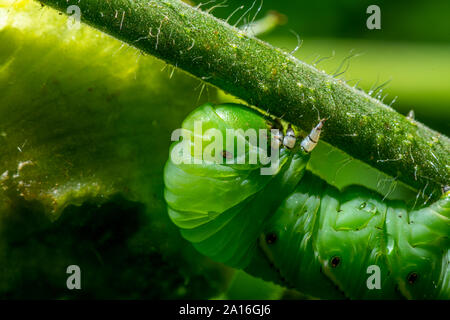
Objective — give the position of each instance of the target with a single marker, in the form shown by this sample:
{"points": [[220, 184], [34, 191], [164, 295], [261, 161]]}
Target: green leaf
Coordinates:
{"points": [[85, 124]]}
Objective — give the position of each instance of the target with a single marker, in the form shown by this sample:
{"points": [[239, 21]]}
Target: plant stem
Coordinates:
{"points": [[273, 80]]}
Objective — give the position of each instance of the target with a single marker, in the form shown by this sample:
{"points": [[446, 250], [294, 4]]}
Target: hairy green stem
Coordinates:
{"points": [[274, 80]]}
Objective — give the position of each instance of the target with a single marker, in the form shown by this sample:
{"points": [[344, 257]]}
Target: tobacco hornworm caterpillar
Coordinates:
{"points": [[295, 229]]}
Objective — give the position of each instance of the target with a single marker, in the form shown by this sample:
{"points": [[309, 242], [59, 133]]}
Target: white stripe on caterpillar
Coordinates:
{"points": [[309, 143]]}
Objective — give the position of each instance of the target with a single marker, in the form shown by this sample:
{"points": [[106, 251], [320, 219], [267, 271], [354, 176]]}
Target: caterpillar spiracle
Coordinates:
{"points": [[293, 228]]}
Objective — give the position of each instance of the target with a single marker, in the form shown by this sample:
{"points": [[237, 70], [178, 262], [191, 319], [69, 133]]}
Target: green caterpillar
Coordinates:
{"points": [[292, 228]]}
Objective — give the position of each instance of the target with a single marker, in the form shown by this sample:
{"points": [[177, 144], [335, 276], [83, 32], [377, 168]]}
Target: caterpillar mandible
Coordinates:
{"points": [[293, 228]]}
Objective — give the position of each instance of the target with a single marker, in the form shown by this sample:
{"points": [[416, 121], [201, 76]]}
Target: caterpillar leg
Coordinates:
{"points": [[311, 140], [295, 229], [418, 250]]}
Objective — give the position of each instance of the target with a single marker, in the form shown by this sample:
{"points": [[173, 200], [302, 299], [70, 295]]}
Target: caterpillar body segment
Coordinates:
{"points": [[222, 208], [310, 142], [294, 229]]}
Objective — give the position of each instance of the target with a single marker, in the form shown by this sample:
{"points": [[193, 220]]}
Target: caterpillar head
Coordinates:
{"points": [[203, 168], [227, 173]]}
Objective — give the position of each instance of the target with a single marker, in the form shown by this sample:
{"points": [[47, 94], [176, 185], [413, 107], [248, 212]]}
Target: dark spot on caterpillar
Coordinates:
{"points": [[226, 154], [362, 205], [271, 238], [412, 277], [335, 261]]}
